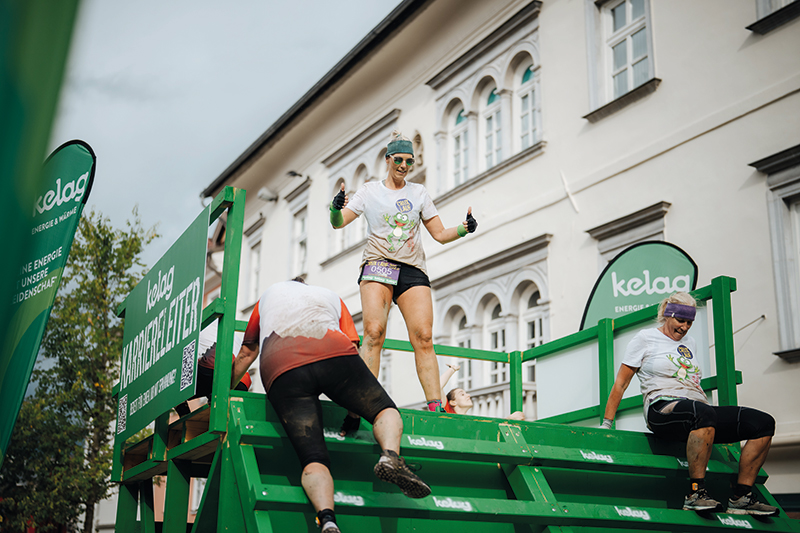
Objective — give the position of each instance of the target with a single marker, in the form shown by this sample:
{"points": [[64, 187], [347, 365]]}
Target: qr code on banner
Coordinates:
{"points": [[187, 369], [122, 414]]}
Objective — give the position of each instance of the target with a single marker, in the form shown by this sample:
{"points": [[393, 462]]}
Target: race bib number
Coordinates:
{"points": [[382, 271]]}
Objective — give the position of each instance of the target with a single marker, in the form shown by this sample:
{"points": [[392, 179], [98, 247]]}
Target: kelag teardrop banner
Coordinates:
{"points": [[56, 211], [641, 275]]}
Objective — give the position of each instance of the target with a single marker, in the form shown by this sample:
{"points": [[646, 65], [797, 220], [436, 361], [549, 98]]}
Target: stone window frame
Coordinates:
{"points": [[783, 194]]}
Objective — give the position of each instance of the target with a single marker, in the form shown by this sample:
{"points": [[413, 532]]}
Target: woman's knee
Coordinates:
{"points": [[374, 330], [762, 424], [423, 336], [705, 416]]}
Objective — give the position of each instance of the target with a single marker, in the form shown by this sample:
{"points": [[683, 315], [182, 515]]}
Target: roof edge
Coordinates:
{"points": [[393, 22]]}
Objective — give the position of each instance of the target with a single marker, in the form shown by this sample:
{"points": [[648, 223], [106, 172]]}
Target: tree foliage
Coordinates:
{"points": [[59, 459]]}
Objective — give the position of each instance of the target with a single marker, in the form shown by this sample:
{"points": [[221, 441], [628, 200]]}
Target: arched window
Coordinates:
{"points": [[493, 144], [534, 325], [460, 149], [462, 338], [528, 109], [498, 372]]}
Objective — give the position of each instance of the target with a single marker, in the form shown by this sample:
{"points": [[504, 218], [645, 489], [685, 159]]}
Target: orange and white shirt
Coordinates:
{"points": [[296, 324]]}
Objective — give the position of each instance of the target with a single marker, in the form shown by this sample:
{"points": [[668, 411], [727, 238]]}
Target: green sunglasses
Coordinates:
{"points": [[399, 161]]}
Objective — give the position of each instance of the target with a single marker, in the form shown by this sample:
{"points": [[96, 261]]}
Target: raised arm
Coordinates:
{"points": [[446, 375], [444, 235], [340, 215], [624, 377]]}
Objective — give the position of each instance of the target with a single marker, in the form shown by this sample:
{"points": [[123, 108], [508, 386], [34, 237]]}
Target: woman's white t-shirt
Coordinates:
{"points": [[667, 368], [394, 218]]}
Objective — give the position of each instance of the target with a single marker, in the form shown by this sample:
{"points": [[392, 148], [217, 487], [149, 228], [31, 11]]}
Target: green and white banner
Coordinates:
{"points": [[68, 175], [639, 276], [162, 328]]}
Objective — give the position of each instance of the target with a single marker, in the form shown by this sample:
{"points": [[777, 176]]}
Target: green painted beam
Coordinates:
{"points": [[176, 500]]}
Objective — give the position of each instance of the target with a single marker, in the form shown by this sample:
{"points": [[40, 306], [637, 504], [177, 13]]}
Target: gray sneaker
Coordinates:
{"points": [[392, 469], [701, 501], [748, 504]]}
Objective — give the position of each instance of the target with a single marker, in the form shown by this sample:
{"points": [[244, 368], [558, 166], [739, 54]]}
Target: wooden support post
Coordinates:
{"points": [[517, 395], [605, 347], [127, 500], [147, 512], [176, 501], [721, 289], [235, 198]]}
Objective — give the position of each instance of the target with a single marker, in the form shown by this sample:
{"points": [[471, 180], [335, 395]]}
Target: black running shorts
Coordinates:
{"points": [[732, 423]]}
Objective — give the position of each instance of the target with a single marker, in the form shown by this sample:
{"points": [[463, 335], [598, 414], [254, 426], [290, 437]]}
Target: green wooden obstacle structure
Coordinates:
{"points": [[487, 475]]}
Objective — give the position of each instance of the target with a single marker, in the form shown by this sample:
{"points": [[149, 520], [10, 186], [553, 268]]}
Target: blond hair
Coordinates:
{"points": [[680, 297]]}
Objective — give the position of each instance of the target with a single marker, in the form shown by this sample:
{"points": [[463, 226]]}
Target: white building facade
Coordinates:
{"points": [[573, 128]]}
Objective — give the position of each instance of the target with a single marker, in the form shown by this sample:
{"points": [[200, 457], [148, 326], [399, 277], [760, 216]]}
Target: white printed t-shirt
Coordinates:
{"points": [[394, 219], [667, 368]]}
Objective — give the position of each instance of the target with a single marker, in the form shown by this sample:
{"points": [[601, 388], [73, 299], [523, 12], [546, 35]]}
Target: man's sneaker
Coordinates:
{"points": [[701, 501], [748, 504], [392, 469]]}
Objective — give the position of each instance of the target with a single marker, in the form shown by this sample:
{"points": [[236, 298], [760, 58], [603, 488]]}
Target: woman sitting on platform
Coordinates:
{"points": [[676, 408]]}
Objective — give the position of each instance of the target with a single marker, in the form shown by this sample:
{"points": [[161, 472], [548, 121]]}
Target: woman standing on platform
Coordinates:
{"points": [[393, 265], [676, 408]]}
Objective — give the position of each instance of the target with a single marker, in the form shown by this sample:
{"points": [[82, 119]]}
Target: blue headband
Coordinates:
{"points": [[684, 312]]}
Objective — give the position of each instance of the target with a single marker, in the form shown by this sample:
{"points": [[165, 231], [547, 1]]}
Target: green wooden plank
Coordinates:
{"points": [[206, 519], [721, 289], [127, 501], [187, 448], [176, 500], [457, 508], [146, 470], [146, 507]]}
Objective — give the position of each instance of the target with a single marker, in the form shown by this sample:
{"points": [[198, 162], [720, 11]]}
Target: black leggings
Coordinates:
{"points": [[295, 397], [732, 423]]}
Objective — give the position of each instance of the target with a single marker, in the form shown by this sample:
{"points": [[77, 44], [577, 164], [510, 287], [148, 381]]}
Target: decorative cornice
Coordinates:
{"points": [[344, 253], [525, 15], [778, 162], [381, 124], [628, 222], [625, 100], [778, 18], [528, 247], [494, 172], [300, 189], [257, 224], [790, 356]]}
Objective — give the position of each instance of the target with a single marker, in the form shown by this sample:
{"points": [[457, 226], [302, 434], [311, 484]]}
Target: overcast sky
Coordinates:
{"points": [[168, 94]]}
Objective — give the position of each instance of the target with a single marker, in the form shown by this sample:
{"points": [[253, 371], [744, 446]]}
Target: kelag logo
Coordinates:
{"points": [[72, 191], [640, 276]]}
